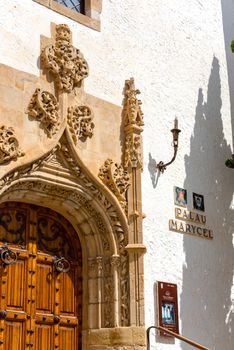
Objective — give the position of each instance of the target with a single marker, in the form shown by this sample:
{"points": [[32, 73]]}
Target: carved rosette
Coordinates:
{"points": [[116, 179], [133, 121], [9, 145], [64, 61], [44, 108], [80, 123]]}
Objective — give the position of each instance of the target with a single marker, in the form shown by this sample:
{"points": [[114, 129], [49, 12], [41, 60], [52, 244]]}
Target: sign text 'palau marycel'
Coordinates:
{"points": [[191, 223]]}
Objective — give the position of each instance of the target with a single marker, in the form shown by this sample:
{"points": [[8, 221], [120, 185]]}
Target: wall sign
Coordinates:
{"points": [[198, 202], [187, 221], [180, 196], [167, 307]]}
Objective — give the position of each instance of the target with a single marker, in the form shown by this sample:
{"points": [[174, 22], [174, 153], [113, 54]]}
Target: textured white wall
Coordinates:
{"points": [[175, 49]]}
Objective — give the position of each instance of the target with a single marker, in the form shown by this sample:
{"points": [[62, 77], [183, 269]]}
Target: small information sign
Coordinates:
{"points": [[168, 307]]}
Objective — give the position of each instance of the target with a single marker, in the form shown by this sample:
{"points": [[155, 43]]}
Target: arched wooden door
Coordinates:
{"points": [[41, 280]]}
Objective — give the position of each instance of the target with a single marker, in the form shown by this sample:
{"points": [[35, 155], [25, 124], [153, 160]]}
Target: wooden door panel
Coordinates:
{"points": [[67, 338], [15, 290], [44, 337], [44, 288], [14, 336], [67, 292]]}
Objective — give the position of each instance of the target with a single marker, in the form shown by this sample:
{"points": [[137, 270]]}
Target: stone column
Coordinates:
{"points": [[133, 127], [115, 263]]}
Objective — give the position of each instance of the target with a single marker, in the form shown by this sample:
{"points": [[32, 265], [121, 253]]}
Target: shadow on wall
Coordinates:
{"points": [[228, 30], [208, 271]]}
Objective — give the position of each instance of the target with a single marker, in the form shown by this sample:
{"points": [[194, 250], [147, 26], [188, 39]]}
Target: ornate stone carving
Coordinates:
{"points": [[132, 106], [9, 145], [115, 261], [132, 155], [116, 179], [16, 181], [44, 108], [99, 260], [64, 61], [124, 287], [80, 123], [108, 294], [133, 121]]}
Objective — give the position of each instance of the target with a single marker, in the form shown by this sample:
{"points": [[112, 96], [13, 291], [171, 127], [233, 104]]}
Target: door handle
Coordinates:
{"points": [[61, 264], [8, 256]]}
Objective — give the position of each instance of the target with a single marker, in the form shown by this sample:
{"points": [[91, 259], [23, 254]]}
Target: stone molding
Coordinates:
{"points": [[9, 145], [66, 63], [43, 107]]}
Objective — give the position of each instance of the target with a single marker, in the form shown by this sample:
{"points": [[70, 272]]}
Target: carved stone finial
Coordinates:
{"points": [[63, 35], [64, 61], [80, 122], [9, 145], [133, 121], [116, 179], [44, 107], [132, 106]]}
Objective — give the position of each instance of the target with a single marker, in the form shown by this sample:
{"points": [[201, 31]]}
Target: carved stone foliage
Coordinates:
{"points": [[9, 145], [132, 106], [64, 61], [44, 108], [80, 123], [116, 179]]}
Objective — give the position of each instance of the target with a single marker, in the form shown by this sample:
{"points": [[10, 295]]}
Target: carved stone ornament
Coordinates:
{"points": [[44, 108], [116, 179], [64, 61], [80, 122], [132, 106], [132, 155], [61, 164], [9, 145], [133, 121]]}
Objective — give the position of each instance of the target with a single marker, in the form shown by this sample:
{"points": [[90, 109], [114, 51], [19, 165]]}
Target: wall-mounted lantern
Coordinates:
{"points": [[175, 132]]}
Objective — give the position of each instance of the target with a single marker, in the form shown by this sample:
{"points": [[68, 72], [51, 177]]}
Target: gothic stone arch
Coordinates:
{"points": [[107, 220]]}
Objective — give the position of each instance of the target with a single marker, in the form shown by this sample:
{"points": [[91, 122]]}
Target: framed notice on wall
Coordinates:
{"points": [[167, 307]]}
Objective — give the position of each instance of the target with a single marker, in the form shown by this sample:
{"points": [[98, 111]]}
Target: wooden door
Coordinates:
{"points": [[41, 280]]}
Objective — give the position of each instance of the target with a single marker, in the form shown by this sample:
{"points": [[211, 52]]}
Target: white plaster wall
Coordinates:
{"points": [[173, 48]]}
